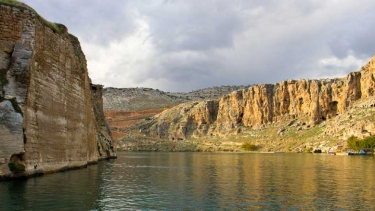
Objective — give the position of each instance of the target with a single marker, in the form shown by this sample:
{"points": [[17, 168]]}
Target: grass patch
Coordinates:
{"points": [[155, 145], [303, 134], [75, 41]]}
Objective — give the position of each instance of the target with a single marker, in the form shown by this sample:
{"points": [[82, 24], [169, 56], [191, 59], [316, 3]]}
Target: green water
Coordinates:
{"points": [[202, 181]]}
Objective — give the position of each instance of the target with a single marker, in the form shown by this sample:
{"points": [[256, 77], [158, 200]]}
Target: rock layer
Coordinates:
{"points": [[313, 101], [50, 115]]}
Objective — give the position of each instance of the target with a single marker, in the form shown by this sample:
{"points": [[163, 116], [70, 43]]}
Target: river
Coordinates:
{"points": [[202, 181]]}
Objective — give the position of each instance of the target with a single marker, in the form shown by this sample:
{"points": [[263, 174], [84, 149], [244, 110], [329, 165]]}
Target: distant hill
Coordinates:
{"points": [[124, 107], [134, 99]]}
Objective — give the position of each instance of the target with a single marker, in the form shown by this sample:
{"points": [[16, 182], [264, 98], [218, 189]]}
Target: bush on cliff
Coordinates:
{"points": [[248, 146], [16, 168]]}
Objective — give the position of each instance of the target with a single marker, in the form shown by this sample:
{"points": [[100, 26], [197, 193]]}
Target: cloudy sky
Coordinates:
{"points": [[183, 45]]}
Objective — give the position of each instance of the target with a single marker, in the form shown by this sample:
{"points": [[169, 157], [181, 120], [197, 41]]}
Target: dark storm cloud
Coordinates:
{"points": [[180, 45]]}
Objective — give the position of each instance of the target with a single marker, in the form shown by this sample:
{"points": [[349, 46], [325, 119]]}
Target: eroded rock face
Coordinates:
{"points": [[313, 101], [57, 124], [106, 147], [11, 140]]}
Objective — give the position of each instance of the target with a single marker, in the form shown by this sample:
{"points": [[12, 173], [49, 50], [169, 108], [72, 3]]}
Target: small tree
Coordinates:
{"points": [[353, 142], [368, 142]]}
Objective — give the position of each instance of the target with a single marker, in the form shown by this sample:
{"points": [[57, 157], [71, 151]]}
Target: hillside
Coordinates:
{"points": [[290, 115], [289, 135], [124, 107], [134, 99]]}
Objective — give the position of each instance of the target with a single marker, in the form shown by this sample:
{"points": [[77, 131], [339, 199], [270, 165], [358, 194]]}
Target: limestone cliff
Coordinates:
{"points": [[50, 114], [312, 101]]}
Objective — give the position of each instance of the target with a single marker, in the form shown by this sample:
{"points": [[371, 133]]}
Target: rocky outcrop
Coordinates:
{"points": [[106, 147], [312, 101], [50, 120]]}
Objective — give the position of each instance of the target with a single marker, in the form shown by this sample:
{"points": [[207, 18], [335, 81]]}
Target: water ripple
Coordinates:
{"points": [[202, 181]]}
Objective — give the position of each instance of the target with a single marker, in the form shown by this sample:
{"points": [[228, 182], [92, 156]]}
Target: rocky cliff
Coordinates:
{"points": [[308, 101], [106, 146], [125, 107], [50, 115]]}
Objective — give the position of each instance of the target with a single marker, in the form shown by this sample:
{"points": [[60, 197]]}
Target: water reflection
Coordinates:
{"points": [[73, 190], [209, 181]]}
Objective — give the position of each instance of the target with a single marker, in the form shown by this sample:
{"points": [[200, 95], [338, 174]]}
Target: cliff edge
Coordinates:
{"points": [[50, 114]]}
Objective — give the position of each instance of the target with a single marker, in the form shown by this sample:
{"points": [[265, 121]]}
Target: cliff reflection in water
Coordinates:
{"points": [[203, 181], [71, 190]]}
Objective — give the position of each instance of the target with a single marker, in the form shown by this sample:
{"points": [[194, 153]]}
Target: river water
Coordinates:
{"points": [[202, 181]]}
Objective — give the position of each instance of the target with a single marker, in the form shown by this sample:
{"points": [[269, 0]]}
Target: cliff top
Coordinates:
{"points": [[56, 27]]}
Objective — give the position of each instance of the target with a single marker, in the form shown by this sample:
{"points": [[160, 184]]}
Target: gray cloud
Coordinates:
{"points": [[354, 35], [92, 20], [178, 45], [192, 25]]}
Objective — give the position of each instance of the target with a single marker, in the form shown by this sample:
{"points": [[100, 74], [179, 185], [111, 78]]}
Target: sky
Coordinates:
{"points": [[184, 45]]}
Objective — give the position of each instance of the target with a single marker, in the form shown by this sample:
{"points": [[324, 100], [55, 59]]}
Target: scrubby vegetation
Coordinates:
{"points": [[368, 142], [249, 146], [16, 168]]}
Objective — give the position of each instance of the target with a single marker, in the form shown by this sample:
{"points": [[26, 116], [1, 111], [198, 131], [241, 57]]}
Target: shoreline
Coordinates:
{"points": [[40, 172]]}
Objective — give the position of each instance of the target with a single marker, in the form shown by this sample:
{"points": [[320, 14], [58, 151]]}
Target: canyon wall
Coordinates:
{"points": [[312, 101], [50, 114]]}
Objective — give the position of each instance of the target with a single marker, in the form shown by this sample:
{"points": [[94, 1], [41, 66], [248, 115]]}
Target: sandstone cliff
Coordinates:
{"points": [[50, 115], [309, 101], [125, 107]]}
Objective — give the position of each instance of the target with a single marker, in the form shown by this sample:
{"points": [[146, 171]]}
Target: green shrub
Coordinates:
{"points": [[248, 146], [353, 142], [16, 168], [368, 142]]}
